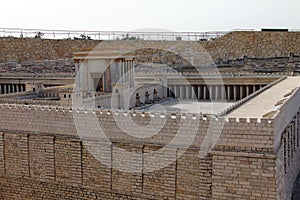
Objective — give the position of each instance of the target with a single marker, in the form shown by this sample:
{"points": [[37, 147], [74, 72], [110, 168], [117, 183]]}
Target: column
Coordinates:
{"points": [[204, 92], [247, 90], [123, 71], [186, 92], [175, 91], [241, 91], [118, 71], [191, 92], [228, 92], [194, 89], [8, 88], [0, 88], [210, 89], [120, 66], [13, 88], [127, 71], [125, 65], [132, 73], [217, 92], [254, 88], [181, 92], [199, 92], [223, 92], [234, 92]]}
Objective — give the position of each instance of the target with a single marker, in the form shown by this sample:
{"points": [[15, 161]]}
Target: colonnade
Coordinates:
{"points": [[213, 92], [11, 88], [127, 71]]}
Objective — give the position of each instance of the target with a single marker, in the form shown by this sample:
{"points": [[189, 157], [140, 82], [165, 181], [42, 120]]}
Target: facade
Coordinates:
{"points": [[96, 140]]}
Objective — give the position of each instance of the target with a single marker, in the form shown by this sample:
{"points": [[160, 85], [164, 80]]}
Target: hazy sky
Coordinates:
{"points": [[128, 15]]}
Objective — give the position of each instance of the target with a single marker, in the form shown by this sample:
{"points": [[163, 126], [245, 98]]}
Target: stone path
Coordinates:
{"points": [[193, 106], [266, 101]]}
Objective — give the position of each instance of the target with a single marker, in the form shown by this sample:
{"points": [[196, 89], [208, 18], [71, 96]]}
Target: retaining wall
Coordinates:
{"points": [[42, 157]]}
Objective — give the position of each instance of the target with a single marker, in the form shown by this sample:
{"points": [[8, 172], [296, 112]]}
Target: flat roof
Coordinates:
{"points": [[94, 54], [265, 103], [193, 106]]}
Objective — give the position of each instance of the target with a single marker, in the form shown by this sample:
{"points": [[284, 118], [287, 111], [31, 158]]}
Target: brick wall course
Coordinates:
{"points": [[240, 177], [16, 155]]}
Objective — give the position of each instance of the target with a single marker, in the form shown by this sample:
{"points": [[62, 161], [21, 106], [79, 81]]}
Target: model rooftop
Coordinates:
{"points": [[268, 103]]}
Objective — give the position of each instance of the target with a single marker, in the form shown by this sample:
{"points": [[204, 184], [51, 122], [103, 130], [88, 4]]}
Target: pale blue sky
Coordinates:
{"points": [[128, 15]]}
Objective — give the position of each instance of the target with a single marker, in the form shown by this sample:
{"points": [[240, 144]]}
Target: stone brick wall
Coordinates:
{"points": [[16, 146], [44, 157], [238, 175], [288, 159], [48, 166], [286, 141], [71, 174]]}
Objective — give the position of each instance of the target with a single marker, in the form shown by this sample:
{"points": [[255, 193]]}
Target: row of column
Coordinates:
{"points": [[212, 92], [127, 71], [11, 88], [291, 141]]}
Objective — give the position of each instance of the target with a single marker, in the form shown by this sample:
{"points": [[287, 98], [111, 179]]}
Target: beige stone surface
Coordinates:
{"points": [[266, 101], [193, 106]]}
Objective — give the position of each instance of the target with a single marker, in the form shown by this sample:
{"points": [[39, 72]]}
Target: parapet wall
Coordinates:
{"points": [[234, 133]]}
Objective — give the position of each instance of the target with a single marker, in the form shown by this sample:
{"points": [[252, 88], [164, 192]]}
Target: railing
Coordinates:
{"points": [[116, 35], [108, 35]]}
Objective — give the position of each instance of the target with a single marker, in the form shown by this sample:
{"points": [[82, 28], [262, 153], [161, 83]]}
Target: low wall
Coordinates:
{"points": [[59, 120]]}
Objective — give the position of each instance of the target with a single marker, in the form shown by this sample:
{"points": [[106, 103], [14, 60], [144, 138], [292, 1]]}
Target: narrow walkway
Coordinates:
{"points": [[266, 101]]}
